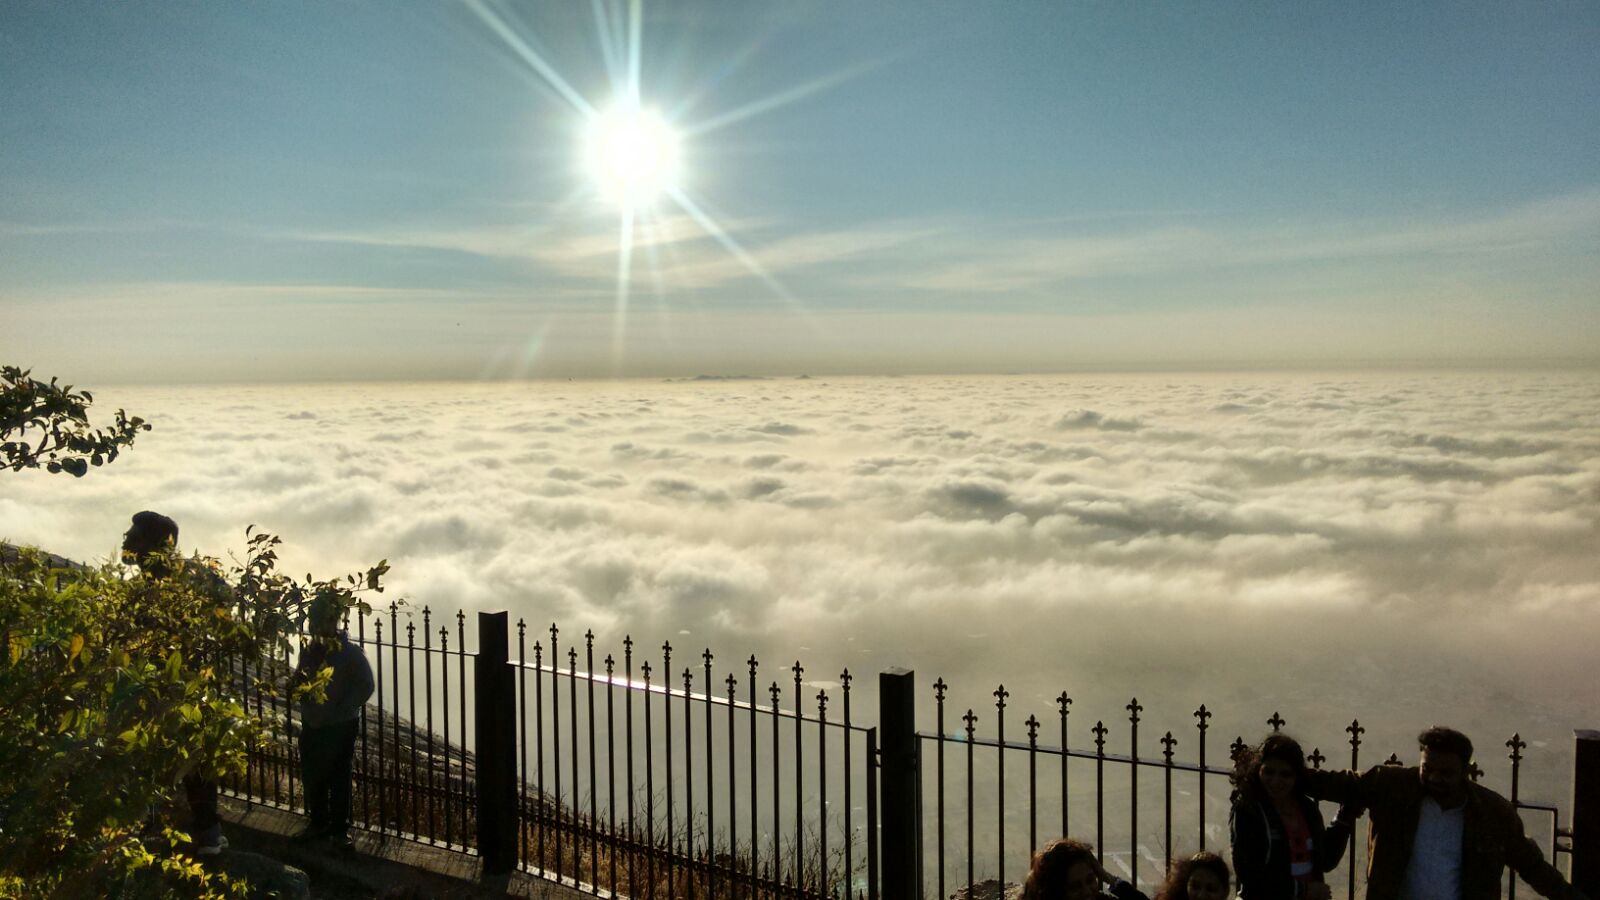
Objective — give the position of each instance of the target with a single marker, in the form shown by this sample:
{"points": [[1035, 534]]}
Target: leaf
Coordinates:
{"points": [[74, 647], [190, 712]]}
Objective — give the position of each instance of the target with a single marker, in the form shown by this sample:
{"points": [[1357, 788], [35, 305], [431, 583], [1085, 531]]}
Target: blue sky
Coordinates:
{"points": [[296, 190]]}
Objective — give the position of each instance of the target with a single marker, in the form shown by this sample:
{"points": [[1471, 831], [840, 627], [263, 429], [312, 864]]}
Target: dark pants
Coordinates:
{"points": [[202, 796], [326, 752]]}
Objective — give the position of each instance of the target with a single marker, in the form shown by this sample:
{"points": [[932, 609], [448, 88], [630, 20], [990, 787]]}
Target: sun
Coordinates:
{"points": [[633, 155]]}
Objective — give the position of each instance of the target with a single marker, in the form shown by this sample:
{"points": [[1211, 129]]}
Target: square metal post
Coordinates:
{"points": [[495, 711], [900, 786], [1586, 813]]}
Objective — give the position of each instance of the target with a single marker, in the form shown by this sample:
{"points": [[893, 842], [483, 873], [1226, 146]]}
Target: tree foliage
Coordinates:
{"points": [[47, 424], [115, 684]]}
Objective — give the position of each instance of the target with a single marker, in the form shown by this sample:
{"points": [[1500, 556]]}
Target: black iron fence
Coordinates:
{"points": [[627, 774], [975, 818]]}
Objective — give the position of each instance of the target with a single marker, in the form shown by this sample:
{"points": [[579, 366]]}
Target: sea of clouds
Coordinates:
{"points": [[1401, 547]]}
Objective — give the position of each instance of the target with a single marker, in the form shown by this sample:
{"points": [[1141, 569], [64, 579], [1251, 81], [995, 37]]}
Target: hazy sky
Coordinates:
{"points": [[362, 190]]}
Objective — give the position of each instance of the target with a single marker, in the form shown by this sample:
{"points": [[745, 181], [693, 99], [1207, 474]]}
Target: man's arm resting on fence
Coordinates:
{"points": [[1525, 858]]}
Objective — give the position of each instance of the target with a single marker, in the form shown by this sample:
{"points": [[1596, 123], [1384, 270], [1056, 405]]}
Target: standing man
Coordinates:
{"points": [[152, 544], [1436, 835], [328, 727]]}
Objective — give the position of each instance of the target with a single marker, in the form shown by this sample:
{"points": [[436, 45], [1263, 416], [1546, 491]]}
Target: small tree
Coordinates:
{"points": [[45, 423], [115, 685]]}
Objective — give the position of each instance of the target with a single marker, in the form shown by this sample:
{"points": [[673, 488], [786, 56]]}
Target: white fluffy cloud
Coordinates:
{"points": [[1373, 546]]}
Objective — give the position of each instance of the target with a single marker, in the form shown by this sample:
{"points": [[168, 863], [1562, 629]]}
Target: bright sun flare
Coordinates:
{"points": [[633, 155]]}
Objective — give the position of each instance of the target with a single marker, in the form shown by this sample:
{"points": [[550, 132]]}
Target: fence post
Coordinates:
{"points": [[1586, 812], [495, 711], [900, 786]]}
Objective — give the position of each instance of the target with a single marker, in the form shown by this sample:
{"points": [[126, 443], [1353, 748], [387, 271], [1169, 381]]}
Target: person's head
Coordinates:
{"points": [[1446, 754], [1272, 769], [1064, 869], [322, 618], [150, 533], [1203, 876]]}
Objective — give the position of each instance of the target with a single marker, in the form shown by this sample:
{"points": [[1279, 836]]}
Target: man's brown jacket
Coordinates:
{"points": [[1491, 834]]}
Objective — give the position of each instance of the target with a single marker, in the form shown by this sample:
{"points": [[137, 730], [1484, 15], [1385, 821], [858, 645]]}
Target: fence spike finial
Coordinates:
{"points": [[1277, 722], [1100, 731], [1033, 729], [845, 678], [1167, 743], [1204, 715], [611, 665], [708, 657], [1516, 744], [971, 719], [1064, 702], [1000, 695], [776, 693], [753, 664], [732, 683], [822, 701], [939, 687], [1316, 758], [1355, 730], [1134, 708], [1237, 748]]}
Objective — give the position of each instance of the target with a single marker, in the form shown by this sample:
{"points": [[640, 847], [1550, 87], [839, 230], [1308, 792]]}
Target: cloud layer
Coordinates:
{"points": [[1326, 544]]}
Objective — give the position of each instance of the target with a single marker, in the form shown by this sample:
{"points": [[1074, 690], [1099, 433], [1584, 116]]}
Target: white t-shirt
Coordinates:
{"points": [[1435, 869]]}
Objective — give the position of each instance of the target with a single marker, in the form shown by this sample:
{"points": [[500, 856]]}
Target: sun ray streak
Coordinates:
{"points": [[722, 237], [619, 324], [783, 98], [532, 58], [635, 46], [610, 43]]}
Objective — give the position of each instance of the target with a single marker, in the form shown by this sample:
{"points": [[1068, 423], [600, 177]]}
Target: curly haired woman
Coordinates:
{"points": [[1280, 847], [1067, 869]]}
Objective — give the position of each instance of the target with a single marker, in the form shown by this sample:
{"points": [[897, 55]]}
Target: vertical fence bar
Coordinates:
{"points": [[774, 864], [383, 771], [611, 771], [522, 741], [1033, 781], [1100, 790], [649, 791], [411, 705], [666, 740], [495, 712], [427, 685], [939, 689], [849, 813], [1000, 695], [822, 792], [558, 806], [1355, 730], [594, 791], [755, 849], [873, 765], [1516, 744], [711, 794], [972, 851], [733, 783], [396, 804], [288, 731], [1202, 715], [1064, 704], [577, 785], [1134, 709], [627, 714], [543, 813], [1167, 743], [461, 689], [799, 866], [444, 705], [688, 778], [366, 771], [902, 819]]}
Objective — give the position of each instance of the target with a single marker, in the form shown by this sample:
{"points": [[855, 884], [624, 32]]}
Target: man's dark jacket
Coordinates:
{"points": [[1491, 834]]}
